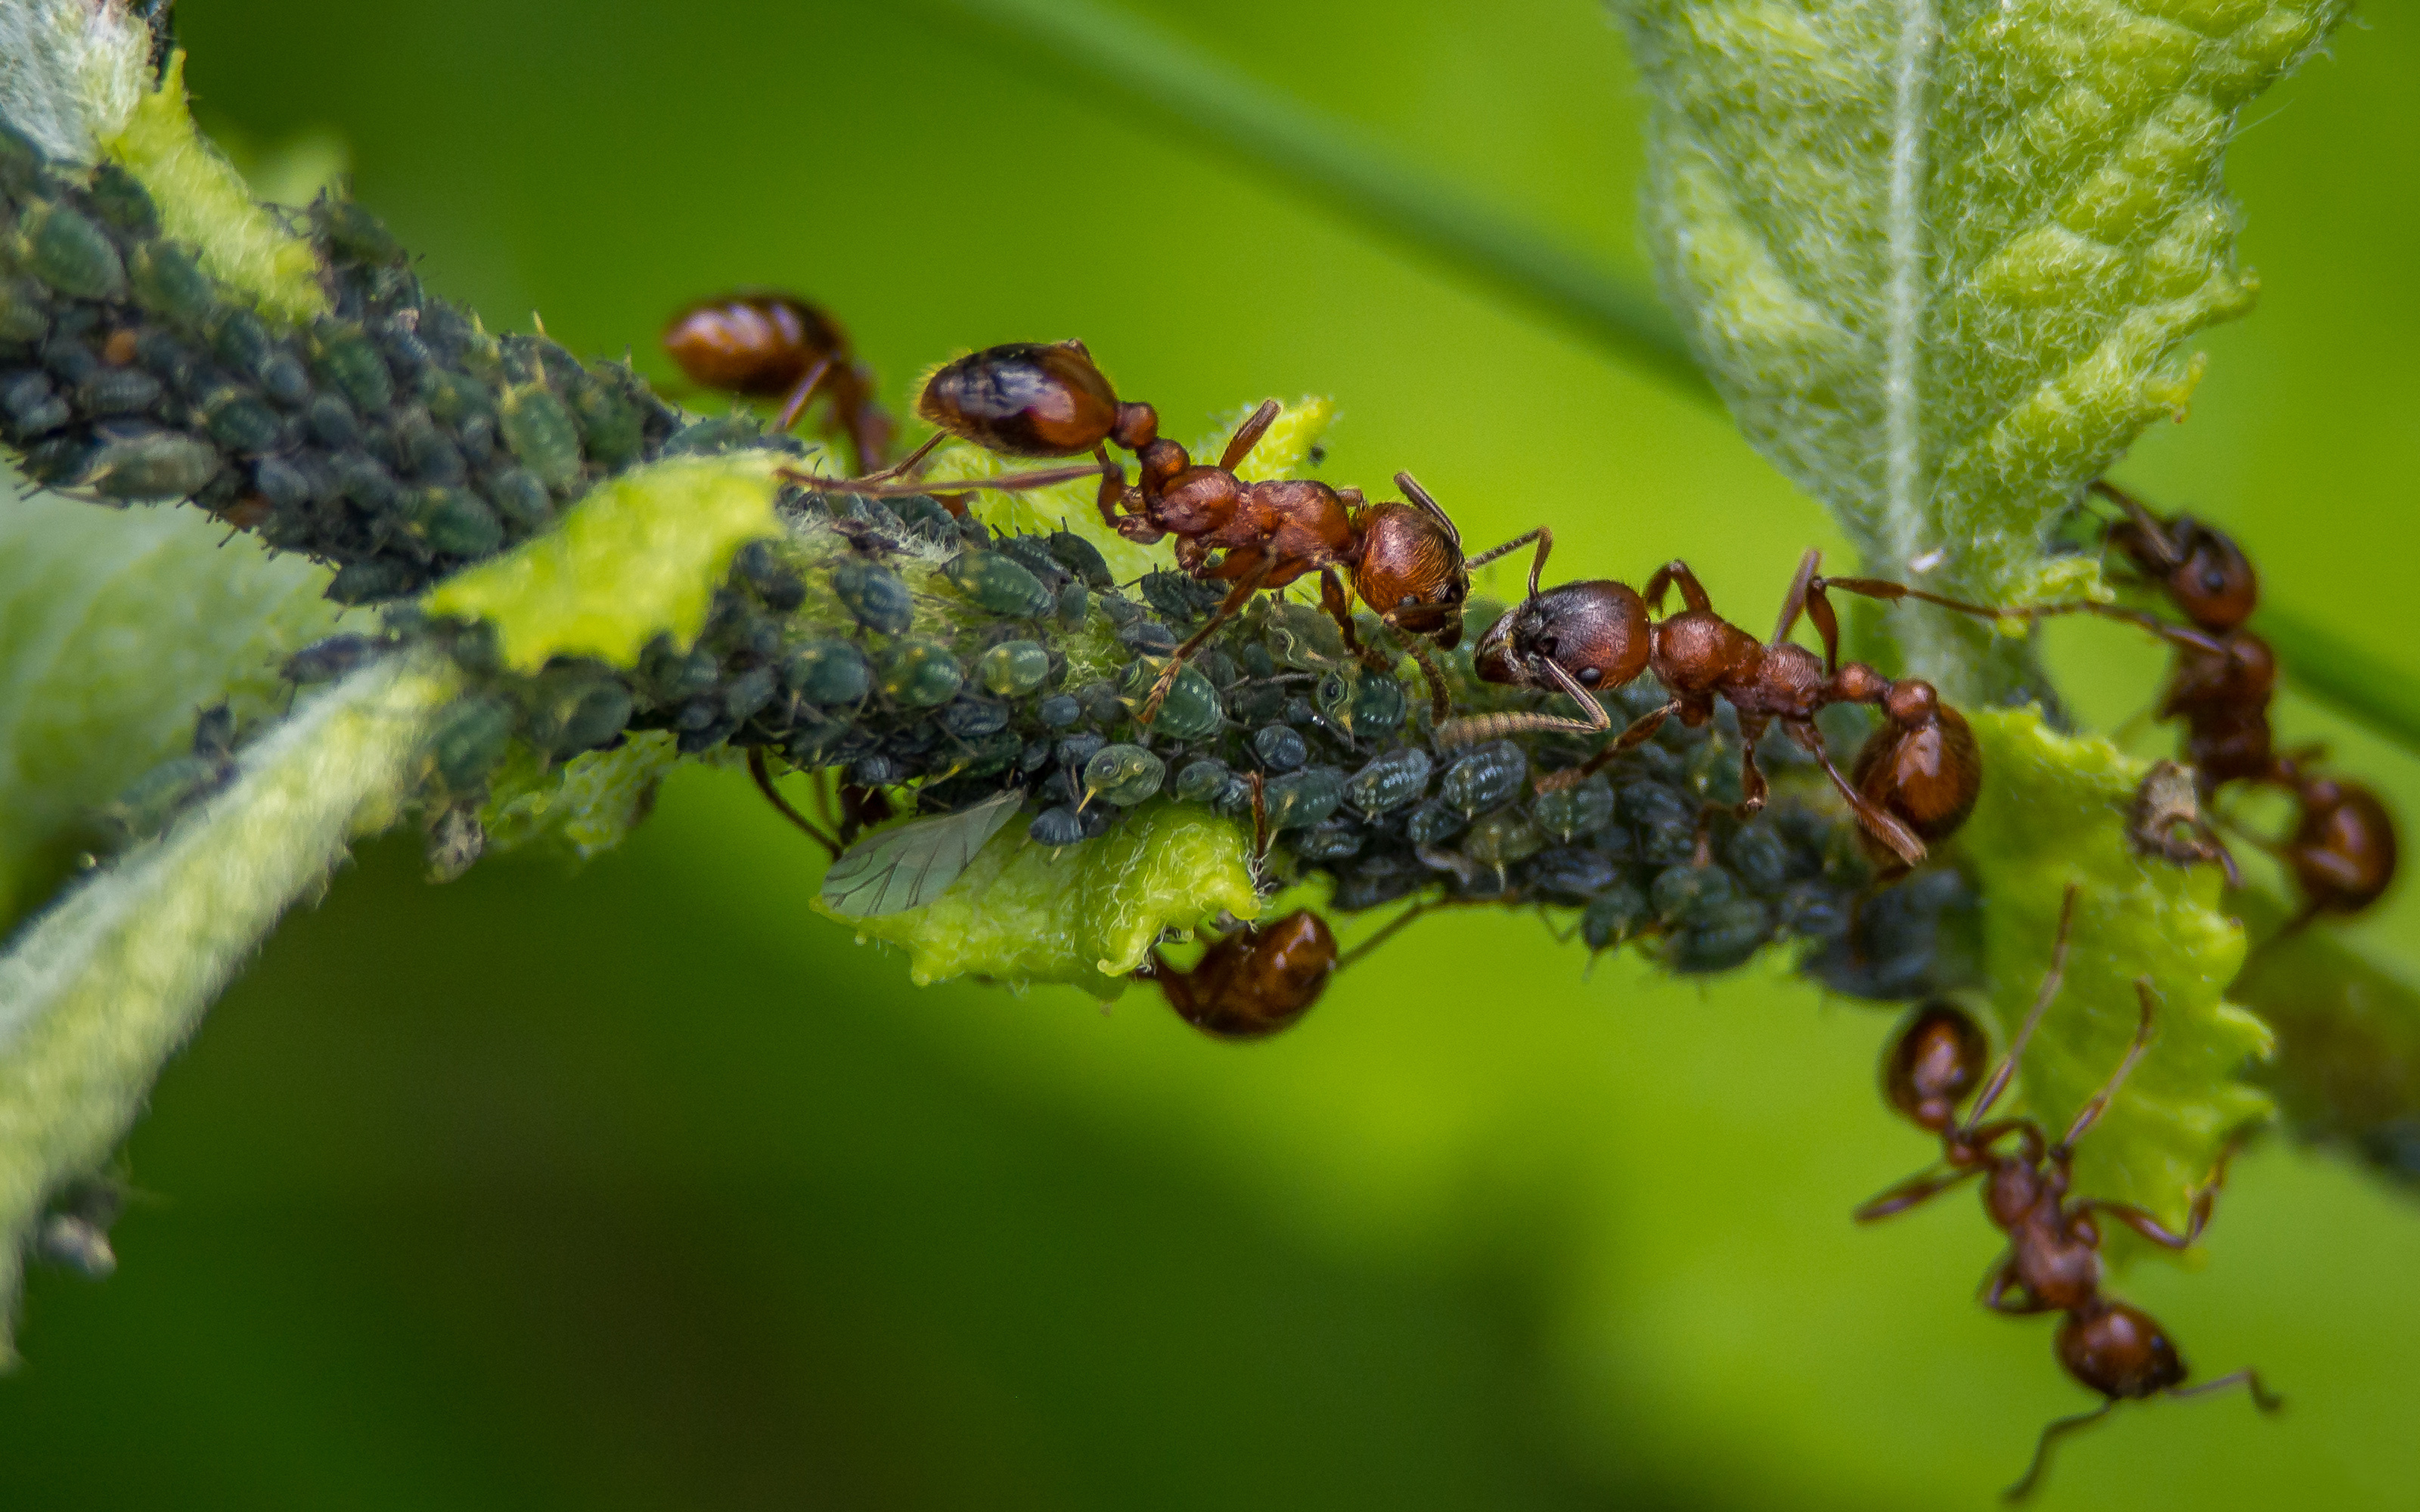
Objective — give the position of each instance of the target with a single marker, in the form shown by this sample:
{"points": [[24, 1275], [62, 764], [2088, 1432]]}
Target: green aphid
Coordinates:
{"points": [[1681, 892], [995, 582], [169, 283], [1192, 708], [542, 434], [370, 580], [1083, 559], [455, 522], [1123, 775], [241, 341], [1568, 813], [240, 423], [1014, 667], [1721, 937], [828, 673], [1614, 916], [520, 498], [1299, 801], [469, 740], [1073, 602], [117, 391], [1502, 838], [354, 235], [22, 163], [615, 437], [67, 250], [576, 708], [123, 202], [346, 358], [153, 800], [1198, 781], [1390, 781], [151, 464], [451, 395], [873, 597], [25, 315], [1379, 707], [678, 675], [921, 674]]}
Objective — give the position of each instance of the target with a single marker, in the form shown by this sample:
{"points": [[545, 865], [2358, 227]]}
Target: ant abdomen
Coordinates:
{"points": [[2119, 1350], [2342, 851], [1256, 980], [1923, 768], [1032, 399], [1934, 1065], [756, 344]]}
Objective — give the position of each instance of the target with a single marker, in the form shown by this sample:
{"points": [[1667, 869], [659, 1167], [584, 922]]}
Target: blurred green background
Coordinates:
{"points": [[643, 1187]]}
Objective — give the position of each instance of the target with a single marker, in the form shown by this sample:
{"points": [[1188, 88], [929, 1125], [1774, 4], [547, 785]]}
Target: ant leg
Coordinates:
{"points": [[2197, 1220], [1471, 729], [805, 390], [2090, 1113], [1640, 730], [1340, 608], [1797, 600], [2051, 982], [1914, 1191], [1440, 700], [1881, 826], [1012, 482], [1383, 935], [1248, 434], [1753, 787], [1827, 623], [1260, 823], [2050, 1437], [2176, 635], [764, 775], [1236, 597], [1996, 1295], [1676, 573], [1113, 485], [2262, 1397]]}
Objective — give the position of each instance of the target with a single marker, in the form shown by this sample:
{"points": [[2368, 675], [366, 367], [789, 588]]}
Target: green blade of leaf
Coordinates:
{"points": [[910, 865]]}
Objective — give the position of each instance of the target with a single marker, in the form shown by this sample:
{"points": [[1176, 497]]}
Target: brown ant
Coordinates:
{"points": [[765, 344], [1254, 982], [2343, 851], [1403, 559], [1917, 778], [2053, 1258]]}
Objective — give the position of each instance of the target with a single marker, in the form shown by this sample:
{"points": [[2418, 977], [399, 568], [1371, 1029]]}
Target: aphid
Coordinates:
{"points": [[1122, 775], [1014, 667], [72, 255], [137, 461], [913, 864], [2053, 1258], [1484, 778], [918, 673], [874, 596], [1300, 800], [1390, 781], [763, 344], [324, 661], [1254, 982], [998, 582], [1920, 774]]}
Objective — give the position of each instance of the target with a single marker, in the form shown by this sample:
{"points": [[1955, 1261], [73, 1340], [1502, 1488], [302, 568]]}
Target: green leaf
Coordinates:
{"points": [[1938, 259], [2053, 812], [1087, 914], [587, 805], [97, 992], [639, 555]]}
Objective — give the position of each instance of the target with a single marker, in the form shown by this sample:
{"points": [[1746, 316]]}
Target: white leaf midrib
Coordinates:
{"points": [[1904, 296]]}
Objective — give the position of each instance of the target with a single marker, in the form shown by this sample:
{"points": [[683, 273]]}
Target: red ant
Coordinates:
{"points": [[1404, 560], [1254, 982], [764, 345], [1917, 778], [2343, 851], [2053, 1258]]}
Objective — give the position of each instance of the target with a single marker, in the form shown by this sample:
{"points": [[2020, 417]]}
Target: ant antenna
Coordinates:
{"points": [[1413, 491], [2050, 1436], [2051, 982]]}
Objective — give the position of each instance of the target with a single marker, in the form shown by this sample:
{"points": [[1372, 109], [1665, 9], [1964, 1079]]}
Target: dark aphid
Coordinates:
{"points": [[1101, 703], [609, 424], [1075, 750], [1758, 858], [154, 800], [539, 431], [24, 313], [1613, 915], [1390, 781], [1681, 892], [283, 483], [29, 403], [920, 674], [455, 522], [469, 740], [1148, 638], [1014, 667], [1573, 872], [421, 452], [970, 718], [1567, 813], [1254, 982], [324, 661], [1178, 597], [1058, 712], [348, 359], [1502, 838], [284, 379], [1083, 559], [828, 672], [353, 233], [1299, 801], [1121, 775], [117, 391], [1379, 706], [995, 582], [331, 423], [576, 708], [371, 581], [122, 200], [1649, 805], [1033, 553], [1433, 822], [168, 281], [72, 255], [239, 340], [136, 461], [1720, 937], [1055, 827], [874, 596], [1489, 774], [240, 423], [1280, 748], [748, 692], [1336, 839], [520, 498], [1202, 780]]}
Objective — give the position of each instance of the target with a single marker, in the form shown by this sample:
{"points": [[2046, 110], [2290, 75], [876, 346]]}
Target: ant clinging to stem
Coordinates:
{"points": [[2052, 1263], [1915, 779], [1403, 559], [762, 344]]}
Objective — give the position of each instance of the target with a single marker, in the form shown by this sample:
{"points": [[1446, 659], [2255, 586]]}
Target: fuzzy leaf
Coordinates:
{"points": [[1086, 915], [2053, 811], [639, 555], [1938, 258]]}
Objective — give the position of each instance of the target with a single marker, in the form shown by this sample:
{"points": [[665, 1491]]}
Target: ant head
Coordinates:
{"points": [[1595, 631], [1026, 399], [1410, 570], [2119, 1350], [1936, 1064], [2213, 582], [1912, 700]]}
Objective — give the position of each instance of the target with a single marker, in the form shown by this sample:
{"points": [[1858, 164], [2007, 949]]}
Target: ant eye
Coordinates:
{"points": [[2213, 582], [1592, 676], [1408, 601]]}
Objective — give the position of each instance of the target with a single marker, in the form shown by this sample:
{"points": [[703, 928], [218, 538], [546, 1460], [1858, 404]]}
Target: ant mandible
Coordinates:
{"points": [[1917, 778], [1403, 559], [2053, 1258], [763, 344]]}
